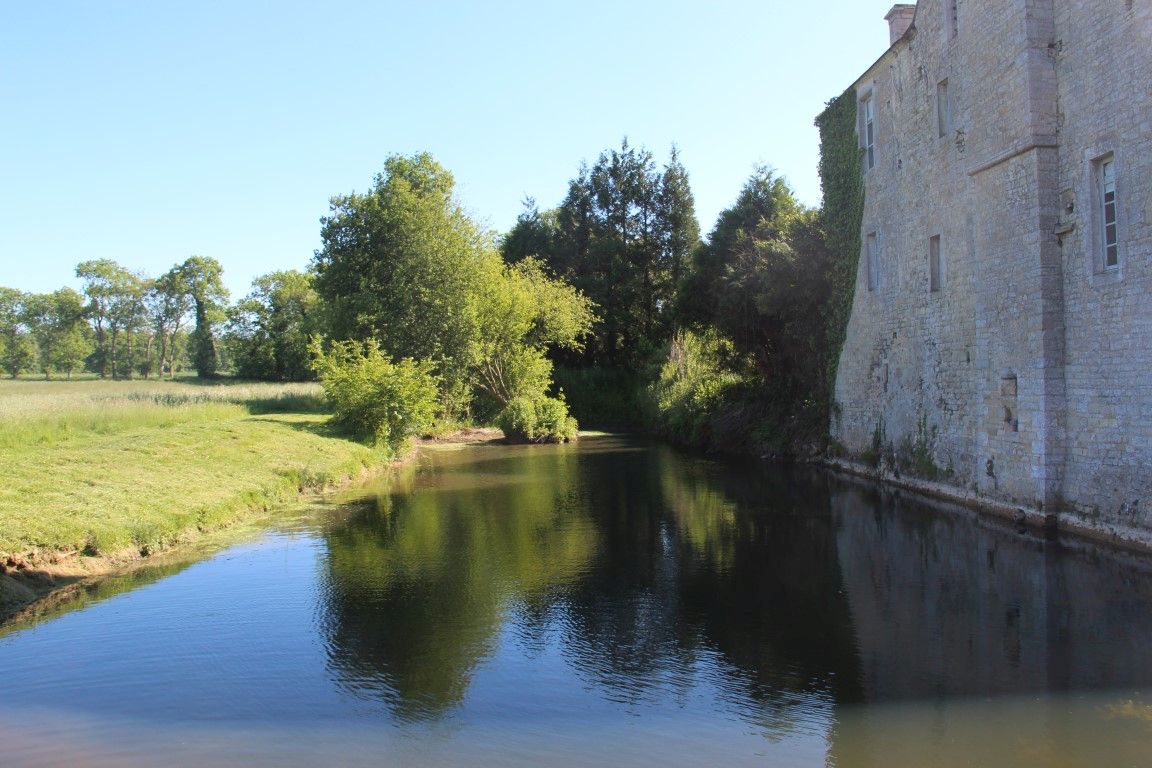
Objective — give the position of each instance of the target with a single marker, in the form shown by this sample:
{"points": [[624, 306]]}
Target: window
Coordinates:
{"points": [[951, 18], [935, 275], [943, 109], [1107, 179], [867, 132], [872, 256]]}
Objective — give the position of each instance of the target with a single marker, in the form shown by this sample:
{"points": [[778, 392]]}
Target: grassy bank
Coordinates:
{"points": [[99, 470]]}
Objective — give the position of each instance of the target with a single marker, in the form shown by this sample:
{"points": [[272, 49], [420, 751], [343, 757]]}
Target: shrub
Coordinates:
{"points": [[537, 419], [374, 398], [692, 387]]}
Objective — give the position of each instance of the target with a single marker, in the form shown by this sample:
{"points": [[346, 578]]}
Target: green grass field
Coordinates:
{"points": [[108, 468]]}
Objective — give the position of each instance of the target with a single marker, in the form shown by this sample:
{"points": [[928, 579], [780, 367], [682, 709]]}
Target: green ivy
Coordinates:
{"points": [[843, 186]]}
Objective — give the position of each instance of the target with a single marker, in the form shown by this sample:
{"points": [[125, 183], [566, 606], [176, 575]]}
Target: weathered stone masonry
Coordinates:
{"points": [[1025, 369]]}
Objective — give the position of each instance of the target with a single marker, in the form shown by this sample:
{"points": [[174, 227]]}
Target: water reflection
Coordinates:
{"points": [[783, 592], [945, 605], [417, 583], [607, 603]]}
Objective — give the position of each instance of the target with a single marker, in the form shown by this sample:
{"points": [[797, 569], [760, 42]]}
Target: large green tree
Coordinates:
{"points": [[202, 278], [762, 208], [169, 303], [17, 347], [128, 314], [268, 330], [402, 264], [104, 285], [57, 322], [623, 235], [762, 282]]}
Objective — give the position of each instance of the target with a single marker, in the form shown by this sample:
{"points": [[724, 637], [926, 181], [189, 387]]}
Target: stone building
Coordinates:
{"points": [[1001, 328]]}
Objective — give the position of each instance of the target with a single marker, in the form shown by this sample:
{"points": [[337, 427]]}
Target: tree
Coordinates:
{"points": [[128, 314], [522, 313], [270, 328], [679, 230], [57, 322], [762, 281], [402, 264], [624, 233], [405, 266], [168, 305], [765, 202], [202, 278], [534, 235], [17, 347], [103, 282]]}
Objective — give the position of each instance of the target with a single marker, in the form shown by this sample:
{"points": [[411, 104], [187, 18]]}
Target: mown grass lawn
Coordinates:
{"points": [[108, 467]]}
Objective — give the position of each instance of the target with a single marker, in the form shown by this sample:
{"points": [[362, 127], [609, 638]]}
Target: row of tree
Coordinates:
{"points": [[626, 234], [123, 324], [608, 281]]}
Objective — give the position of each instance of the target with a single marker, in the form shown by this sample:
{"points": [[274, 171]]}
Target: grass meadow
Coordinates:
{"points": [[108, 468]]}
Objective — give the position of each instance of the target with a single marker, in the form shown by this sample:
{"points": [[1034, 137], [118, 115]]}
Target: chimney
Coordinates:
{"points": [[899, 19]]}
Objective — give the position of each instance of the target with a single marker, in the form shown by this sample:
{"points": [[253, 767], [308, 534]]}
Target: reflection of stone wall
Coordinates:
{"points": [[944, 606]]}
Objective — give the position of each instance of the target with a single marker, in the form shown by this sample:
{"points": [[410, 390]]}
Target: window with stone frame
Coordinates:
{"points": [[935, 267], [943, 109], [868, 131], [1106, 194]]}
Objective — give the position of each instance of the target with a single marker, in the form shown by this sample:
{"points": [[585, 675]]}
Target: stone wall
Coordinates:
{"points": [[1104, 55], [1024, 376]]}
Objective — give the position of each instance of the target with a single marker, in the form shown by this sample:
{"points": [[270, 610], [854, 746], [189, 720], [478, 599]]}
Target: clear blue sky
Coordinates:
{"points": [[146, 132]]}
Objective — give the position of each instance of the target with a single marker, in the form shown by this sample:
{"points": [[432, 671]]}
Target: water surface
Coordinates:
{"points": [[609, 603]]}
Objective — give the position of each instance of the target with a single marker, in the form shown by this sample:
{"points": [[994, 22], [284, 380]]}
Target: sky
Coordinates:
{"points": [[146, 132]]}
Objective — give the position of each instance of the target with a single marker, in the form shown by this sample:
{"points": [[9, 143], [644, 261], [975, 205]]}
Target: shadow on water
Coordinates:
{"points": [[782, 586], [77, 594]]}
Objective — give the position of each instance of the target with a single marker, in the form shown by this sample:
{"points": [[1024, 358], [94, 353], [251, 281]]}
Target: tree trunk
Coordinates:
{"points": [[128, 370]]}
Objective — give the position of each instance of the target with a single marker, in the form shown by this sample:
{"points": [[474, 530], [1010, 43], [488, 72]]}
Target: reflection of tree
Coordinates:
{"points": [[419, 580], [726, 569], [657, 569]]}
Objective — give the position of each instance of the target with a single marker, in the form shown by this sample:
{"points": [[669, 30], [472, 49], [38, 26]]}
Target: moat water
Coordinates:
{"points": [[609, 603]]}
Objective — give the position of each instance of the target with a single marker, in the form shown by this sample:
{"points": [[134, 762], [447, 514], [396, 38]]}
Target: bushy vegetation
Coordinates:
{"points": [[374, 398], [537, 419], [723, 342], [404, 266], [268, 331], [692, 388], [611, 297]]}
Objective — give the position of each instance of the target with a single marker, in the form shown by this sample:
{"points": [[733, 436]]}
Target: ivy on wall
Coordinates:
{"points": [[843, 185]]}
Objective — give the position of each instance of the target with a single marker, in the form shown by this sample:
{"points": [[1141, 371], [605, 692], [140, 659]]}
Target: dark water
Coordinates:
{"points": [[611, 603]]}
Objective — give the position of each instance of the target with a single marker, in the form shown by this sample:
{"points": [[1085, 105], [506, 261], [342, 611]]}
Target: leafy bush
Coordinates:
{"points": [[374, 398], [690, 390], [537, 419]]}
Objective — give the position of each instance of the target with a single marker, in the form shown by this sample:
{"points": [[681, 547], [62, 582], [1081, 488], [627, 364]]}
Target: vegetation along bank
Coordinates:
{"points": [[99, 473]]}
